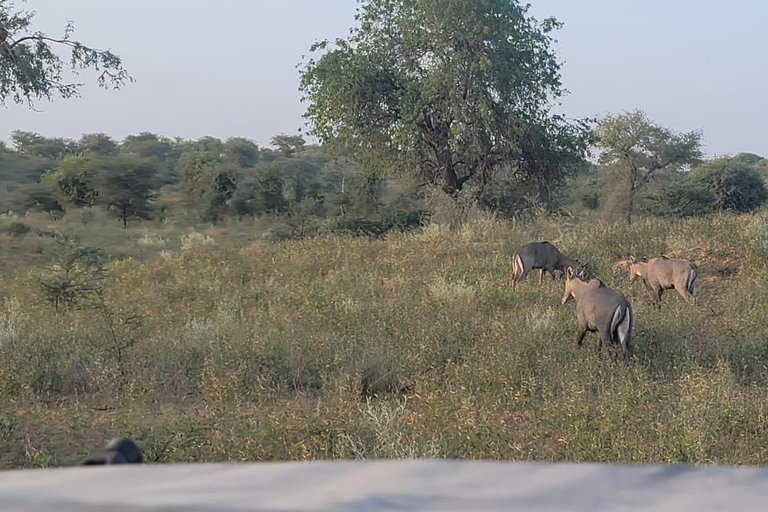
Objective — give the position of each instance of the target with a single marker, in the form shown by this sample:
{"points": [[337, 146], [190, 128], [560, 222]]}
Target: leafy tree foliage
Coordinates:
{"points": [[207, 184], [634, 149], [211, 146], [124, 187], [97, 143], [749, 158], [270, 197], [17, 168], [243, 152], [34, 144], [456, 90], [34, 196], [73, 180], [122, 184], [681, 196], [148, 145], [735, 185], [288, 145], [366, 189], [244, 203], [30, 68]]}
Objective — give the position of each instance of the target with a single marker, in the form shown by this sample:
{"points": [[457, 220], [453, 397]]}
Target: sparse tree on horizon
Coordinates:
{"points": [[288, 145], [634, 149], [124, 187]]}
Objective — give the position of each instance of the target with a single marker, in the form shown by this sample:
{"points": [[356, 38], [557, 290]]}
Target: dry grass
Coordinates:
{"points": [[413, 346]]}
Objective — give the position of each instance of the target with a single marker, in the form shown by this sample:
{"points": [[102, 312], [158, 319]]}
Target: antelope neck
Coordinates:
{"points": [[577, 287]]}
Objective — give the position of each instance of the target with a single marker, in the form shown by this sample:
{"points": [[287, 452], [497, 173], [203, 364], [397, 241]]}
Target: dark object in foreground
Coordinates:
{"points": [[375, 486], [120, 450]]}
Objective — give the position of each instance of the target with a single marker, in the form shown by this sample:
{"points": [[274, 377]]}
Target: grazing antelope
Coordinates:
{"points": [[600, 309], [665, 273], [545, 257]]}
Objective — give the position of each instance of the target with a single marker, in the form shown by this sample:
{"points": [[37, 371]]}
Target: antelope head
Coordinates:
{"points": [[570, 284], [579, 270], [635, 269]]}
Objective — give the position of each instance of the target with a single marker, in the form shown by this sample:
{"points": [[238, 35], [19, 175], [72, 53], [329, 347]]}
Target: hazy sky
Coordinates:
{"points": [[228, 68]]}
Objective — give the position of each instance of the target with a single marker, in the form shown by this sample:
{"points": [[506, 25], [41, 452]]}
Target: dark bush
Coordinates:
{"points": [[360, 226], [18, 229], [681, 196], [736, 185]]}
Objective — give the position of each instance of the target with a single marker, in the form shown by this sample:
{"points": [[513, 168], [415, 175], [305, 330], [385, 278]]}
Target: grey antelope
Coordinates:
{"points": [[545, 257], [665, 273], [600, 309]]}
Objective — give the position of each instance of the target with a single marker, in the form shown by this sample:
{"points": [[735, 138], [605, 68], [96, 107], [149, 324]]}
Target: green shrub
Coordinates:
{"points": [[681, 196], [736, 185]]}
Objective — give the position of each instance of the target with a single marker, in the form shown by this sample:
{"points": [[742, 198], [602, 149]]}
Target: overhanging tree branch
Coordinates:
{"points": [[30, 69]]}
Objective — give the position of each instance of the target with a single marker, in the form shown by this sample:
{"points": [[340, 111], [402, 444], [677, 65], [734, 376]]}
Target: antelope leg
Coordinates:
{"points": [[580, 335]]}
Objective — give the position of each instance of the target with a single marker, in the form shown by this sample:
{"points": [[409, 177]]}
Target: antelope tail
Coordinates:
{"points": [[517, 261], [621, 326], [691, 278]]}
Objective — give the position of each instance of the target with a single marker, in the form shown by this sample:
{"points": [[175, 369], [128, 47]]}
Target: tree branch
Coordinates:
{"points": [[66, 42]]}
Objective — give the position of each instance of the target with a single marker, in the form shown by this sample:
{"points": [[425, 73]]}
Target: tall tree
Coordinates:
{"points": [[30, 68], [454, 90], [124, 186], [634, 148]]}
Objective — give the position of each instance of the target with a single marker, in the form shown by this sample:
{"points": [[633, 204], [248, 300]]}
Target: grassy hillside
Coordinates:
{"points": [[413, 346]]}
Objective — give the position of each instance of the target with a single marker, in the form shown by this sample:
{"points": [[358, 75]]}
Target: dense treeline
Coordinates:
{"points": [[151, 177]]}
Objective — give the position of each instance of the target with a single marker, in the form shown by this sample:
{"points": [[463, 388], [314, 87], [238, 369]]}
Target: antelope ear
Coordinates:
{"points": [[569, 272], [632, 259]]}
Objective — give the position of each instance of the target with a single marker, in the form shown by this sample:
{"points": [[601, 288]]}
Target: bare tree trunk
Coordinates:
{"points": [[633, 187], [451, 182]]}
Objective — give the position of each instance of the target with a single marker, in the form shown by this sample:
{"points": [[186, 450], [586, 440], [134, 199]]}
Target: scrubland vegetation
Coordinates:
{"points": [[414, 345], [222, 301]]}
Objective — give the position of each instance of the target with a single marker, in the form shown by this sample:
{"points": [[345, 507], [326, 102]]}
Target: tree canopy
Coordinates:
{"points": [[31, 69], [634, 148], [454, 90]]}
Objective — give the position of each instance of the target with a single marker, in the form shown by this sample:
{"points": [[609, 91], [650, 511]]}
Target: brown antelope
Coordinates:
{"points": [[545, 257], [600, 309], [664, 273]]}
